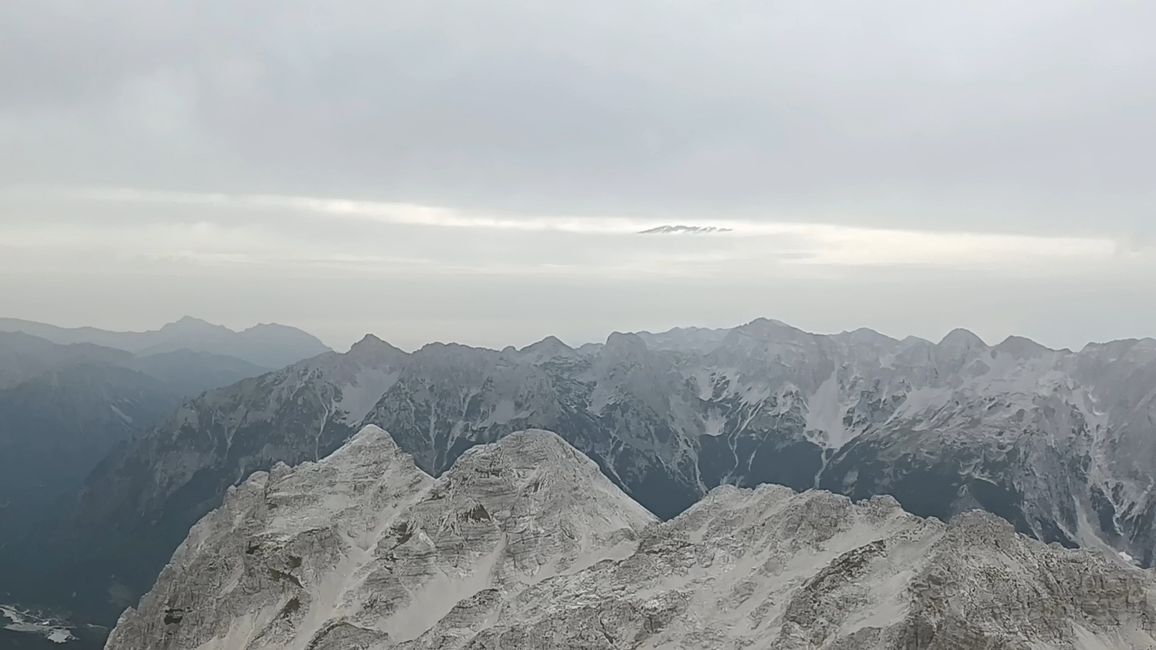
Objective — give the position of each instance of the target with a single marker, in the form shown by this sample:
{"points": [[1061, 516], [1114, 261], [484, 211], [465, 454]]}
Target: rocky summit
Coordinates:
{"points": [[524, 543]]}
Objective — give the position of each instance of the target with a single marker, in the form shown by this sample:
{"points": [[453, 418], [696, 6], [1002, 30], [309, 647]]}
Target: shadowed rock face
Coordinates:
{"points": [[1059, 443], [525, 544]]}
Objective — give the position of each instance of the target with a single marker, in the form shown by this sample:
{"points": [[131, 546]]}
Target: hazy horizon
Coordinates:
{"points": [[342, 345]]}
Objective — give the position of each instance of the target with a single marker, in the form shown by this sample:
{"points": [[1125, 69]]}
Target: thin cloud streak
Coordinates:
{"points": [[813, 243]]}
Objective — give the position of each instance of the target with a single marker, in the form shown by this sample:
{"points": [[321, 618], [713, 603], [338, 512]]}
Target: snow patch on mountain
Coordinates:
{"points": [[366, 387], [825, 412], [18, 619]]}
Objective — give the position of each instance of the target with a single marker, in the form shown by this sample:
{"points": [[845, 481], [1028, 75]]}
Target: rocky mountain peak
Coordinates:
{"points": [[372, 346], [543, 468], [192, 323], [550, 342], [1022, 348], [868, 336], [363, 545], [548, 348], [768, 328], [532, 450], [522, 545], [370, 439], [962, 340], [620, 343], [685, 339]]}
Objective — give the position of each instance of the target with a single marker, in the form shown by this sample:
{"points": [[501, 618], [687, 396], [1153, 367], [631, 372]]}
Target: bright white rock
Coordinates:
{"points": [[524, 544]]}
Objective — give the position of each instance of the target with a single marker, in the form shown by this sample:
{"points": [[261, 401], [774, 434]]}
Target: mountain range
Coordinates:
{"points": [[525, 544], [1058, 443], [267, 345]]}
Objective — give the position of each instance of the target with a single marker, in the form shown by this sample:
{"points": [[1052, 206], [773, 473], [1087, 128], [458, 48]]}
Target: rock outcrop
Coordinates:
{"points": [[525, 544]]}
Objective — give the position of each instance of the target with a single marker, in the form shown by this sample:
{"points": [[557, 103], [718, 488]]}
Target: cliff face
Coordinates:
{"points": [[525, 544]]}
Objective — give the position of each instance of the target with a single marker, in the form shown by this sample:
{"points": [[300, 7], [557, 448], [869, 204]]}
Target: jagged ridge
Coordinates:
{"points": [[1059, 443], [524, 544]]}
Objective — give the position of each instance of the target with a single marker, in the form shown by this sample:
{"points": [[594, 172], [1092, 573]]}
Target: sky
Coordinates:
{"points": [[485, 172]]}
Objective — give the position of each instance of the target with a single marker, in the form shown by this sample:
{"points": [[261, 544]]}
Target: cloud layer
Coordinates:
{"points": [[860, 164]]}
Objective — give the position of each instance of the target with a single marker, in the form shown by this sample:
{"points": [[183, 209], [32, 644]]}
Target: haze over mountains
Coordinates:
{"points": [[268, 345], [66, 403]]}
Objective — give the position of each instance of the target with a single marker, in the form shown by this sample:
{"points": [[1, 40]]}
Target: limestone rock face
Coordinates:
{"points": [[363, 547], [524, 543]]}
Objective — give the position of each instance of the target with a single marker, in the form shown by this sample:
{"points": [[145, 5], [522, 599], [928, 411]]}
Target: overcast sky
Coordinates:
{"points": [[481, 171]]}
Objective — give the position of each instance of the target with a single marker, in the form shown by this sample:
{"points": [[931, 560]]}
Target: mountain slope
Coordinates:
{"points": [[24, 357], [1059, 443], [524, 544], [267, 345], [190, 373], [1053, 441], [63, 408], [55, 428]]}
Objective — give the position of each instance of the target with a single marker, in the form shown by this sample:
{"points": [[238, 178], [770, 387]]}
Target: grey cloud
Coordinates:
{"points": [[985, 115], [679, 229]]}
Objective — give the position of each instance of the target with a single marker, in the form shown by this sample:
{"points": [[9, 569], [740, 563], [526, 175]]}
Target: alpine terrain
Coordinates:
{"points": [[1060, 444], [524, 543]]}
